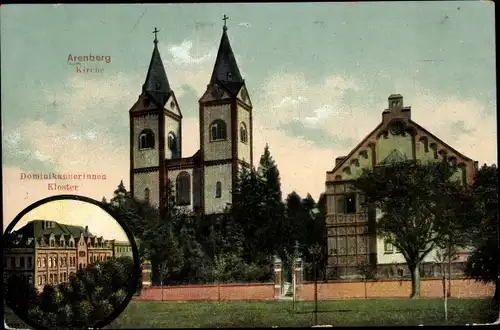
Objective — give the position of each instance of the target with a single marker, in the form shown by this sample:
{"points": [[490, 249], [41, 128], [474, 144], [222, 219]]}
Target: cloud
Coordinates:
{"points": [[189, 64], [182, 54], [83, 101], [289, 101]]}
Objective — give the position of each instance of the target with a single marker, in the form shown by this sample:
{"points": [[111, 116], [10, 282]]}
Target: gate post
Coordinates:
{"points": [[297, 275], [277, 277], [146, 274]]}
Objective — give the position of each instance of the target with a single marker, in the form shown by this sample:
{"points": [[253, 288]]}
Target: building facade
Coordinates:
{"points": [[48, 252], [122, 249], [352, 239], [202, 183]]}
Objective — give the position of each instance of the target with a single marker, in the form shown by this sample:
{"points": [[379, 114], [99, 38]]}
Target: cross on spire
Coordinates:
{"points": [[225, 18], [156, 35]]}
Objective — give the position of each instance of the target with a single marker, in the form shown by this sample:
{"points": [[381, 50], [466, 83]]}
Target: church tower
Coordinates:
{"points": [[155, 134], [226, 137]]}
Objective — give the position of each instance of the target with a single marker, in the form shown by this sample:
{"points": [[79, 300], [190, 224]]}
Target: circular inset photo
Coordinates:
{"points": [[68, 263]]}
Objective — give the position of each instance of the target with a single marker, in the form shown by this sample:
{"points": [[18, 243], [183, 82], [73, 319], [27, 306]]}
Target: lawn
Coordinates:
{"points": [[145, 314], [280, 313]]}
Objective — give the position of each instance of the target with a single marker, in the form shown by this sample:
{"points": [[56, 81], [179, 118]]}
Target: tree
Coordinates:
{"points": [[120, 195], [273, 208], [483, 262], [294, 228], [249, 213], [166, 254], [416, 206], [19, 296]]}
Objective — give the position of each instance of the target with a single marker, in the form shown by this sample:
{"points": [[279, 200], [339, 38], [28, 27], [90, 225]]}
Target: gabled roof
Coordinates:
{"points": [[412, 124], [355, 149]]}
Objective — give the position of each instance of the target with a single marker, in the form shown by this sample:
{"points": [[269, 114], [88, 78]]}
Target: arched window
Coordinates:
{"points": [[218, 189], [38, 262], [146, 195], [146, 139], [43, 262], [243, 133], [218, 130], [52, 243], [172, 141], [44, 279], [183, 189]]}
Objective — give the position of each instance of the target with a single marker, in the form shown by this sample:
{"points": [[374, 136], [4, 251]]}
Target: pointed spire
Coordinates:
{"points": [[156, 84], [226, 69]]}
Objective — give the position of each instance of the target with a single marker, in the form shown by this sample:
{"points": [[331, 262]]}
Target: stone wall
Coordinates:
{"points": [[430, 288]]}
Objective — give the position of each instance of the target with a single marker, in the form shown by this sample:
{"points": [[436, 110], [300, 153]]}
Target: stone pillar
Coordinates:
{"points": [[297, 274], [146, 274], [277, 277]]}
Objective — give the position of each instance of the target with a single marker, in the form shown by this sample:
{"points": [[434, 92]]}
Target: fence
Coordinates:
{"points": [[429, 288]]}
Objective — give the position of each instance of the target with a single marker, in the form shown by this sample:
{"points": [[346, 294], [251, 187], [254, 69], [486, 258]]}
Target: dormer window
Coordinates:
{"points": [[229, 76], [146, 139]]}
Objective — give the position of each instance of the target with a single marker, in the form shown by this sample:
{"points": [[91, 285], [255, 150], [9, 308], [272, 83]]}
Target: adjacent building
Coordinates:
{"points": [[122, 249], [47, 252], [202, 182], [352, 239]]}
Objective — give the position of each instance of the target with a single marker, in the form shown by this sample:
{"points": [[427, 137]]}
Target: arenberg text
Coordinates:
{"points": [[77, 60]]}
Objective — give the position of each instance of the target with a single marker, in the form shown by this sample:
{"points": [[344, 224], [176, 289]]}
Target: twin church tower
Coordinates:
{"points": [[204, 181]]}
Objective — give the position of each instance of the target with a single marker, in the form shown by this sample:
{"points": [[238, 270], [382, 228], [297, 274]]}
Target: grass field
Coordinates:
{"points": [[144, 314], [277, 313]]}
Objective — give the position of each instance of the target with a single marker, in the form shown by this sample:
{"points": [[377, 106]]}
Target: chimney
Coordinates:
{"points": [[86, 229], [396, 108]]}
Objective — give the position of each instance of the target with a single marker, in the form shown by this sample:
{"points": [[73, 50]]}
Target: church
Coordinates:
{"points": [[351, 228], [203, 182]]}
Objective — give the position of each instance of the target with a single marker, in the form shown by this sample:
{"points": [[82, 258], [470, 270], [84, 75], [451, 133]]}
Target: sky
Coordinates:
{"points": [[77, 213], [318, 75]]}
